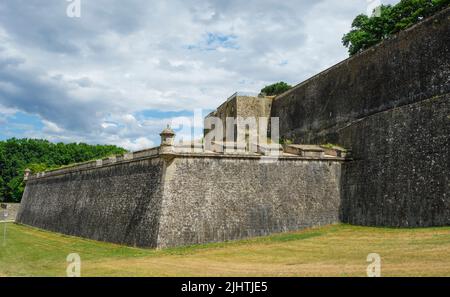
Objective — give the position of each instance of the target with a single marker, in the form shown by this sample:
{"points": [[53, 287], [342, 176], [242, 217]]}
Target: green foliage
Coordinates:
{"points": [[39, 155], [333, 146], [15, 187], [368, 31], [276, 89], [286, 141]]}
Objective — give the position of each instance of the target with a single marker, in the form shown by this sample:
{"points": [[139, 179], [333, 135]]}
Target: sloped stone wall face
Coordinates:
{"points": [[390, 107], [119, 203], [400, 173], [217, 199], [185, 199]]}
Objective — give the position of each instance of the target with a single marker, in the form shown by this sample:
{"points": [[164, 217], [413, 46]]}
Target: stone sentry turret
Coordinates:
{"points": [[167, 141], [26, 174]]}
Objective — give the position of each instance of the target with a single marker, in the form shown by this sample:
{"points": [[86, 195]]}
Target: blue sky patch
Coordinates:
{"points": [[213, 41], [20, 125]]}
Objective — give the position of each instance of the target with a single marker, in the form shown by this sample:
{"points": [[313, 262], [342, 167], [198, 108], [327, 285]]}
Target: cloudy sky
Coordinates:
{"points": [[125, 69]]}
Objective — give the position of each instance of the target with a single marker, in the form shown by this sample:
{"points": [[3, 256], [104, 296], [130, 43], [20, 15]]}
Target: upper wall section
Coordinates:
{"points": [[244, 107], [410, 67]]}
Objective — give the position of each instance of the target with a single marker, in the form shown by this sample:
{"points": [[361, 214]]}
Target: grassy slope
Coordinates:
{"points": [[339, 250]]}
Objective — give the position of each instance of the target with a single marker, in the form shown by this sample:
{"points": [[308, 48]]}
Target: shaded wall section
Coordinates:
{"points": [[400, 172], [211, 199], [408, 68], [118, 203], [389, 105]]}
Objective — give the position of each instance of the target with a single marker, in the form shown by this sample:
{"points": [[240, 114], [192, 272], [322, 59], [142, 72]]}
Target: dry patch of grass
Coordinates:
{"points": [[338, 250]]}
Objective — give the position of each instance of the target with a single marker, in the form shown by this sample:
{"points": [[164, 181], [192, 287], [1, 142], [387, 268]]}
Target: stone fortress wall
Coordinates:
{"points": [[162, 198], [390, 106], [118, 202], [218, 198]]}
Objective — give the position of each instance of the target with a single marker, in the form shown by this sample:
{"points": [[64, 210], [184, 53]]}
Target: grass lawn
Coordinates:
{"points": [[338, 250]]}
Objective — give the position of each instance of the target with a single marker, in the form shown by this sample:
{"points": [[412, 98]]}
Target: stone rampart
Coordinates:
{"points": [[390, 106], [185, 198]]}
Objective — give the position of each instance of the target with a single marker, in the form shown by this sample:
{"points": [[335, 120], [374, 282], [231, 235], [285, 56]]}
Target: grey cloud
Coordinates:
{"points": [[10, 62], [83, 82], [45, 97], [44, 23], [121, 57]]}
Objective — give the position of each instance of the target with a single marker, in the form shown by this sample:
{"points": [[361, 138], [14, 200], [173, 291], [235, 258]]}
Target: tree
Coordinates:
{"points": [[16, 187], [39, 155], [367, 31], [2, 188], [276, 89]]}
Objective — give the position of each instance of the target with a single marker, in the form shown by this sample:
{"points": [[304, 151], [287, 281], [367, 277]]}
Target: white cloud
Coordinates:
{"points": [[7, 111], [138, 144], [50, 127], [87, 78]]}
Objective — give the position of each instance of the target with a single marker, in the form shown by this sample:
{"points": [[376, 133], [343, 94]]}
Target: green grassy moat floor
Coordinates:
{"points": [[337, 250]]}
